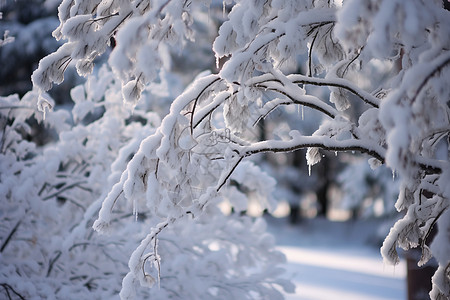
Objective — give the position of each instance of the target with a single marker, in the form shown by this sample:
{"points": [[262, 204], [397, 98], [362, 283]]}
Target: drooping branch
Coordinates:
{"points": [[335, 82], [322, 142], [305, 100]]}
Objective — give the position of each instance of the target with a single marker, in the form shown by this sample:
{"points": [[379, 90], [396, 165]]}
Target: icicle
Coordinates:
{"points": [[135, 211], [309, 170], [157, 261], [217, 61], [303, 112], [393, 175]]}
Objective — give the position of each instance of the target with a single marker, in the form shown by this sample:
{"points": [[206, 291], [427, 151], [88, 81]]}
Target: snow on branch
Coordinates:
{"points": [[302, 142], [322, 55]]}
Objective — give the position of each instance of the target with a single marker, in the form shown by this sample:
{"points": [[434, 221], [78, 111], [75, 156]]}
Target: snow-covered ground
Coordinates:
{"points": [[337, 260]]}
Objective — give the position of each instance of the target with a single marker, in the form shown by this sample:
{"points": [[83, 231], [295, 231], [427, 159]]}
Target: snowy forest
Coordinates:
{"points": [[143, 143]]}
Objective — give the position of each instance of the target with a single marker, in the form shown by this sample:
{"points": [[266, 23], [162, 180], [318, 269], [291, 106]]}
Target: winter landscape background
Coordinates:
{"points": [[337, 260], [209, 149]]}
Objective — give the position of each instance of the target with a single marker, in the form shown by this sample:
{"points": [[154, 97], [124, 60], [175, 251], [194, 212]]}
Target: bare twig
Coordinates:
{"points": [[310, 54], [328, 112], [7, 287], [70, 186], [5, 243], [229, 173], [52, 262], [196, 100], [340, 83]]}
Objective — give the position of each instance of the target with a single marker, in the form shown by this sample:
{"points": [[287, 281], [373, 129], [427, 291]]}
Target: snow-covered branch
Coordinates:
{"points": [[302, 142], [172, 171]]}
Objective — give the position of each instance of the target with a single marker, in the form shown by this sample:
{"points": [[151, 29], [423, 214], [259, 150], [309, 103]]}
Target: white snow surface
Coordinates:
{"points": [[337, 260]]}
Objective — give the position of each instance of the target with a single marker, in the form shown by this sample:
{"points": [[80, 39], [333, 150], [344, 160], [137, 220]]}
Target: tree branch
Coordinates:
{"points": [[67, 188], [337, 82], [310, 54], [306, 100], [309, 142], [263, 116], [5, 243], [440, 66], [52, 262], [196, 100], [8, 287], [229, 174]]}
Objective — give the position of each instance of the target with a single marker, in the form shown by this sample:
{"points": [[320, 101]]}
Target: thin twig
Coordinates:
{"points": [[7, 287], [295, 101], [66, 188], [351, 61], [196, 100], [270, 110], [229, 173], [310, 54], [5, 243], [52, 262], [324, 82], [115, 200]]}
